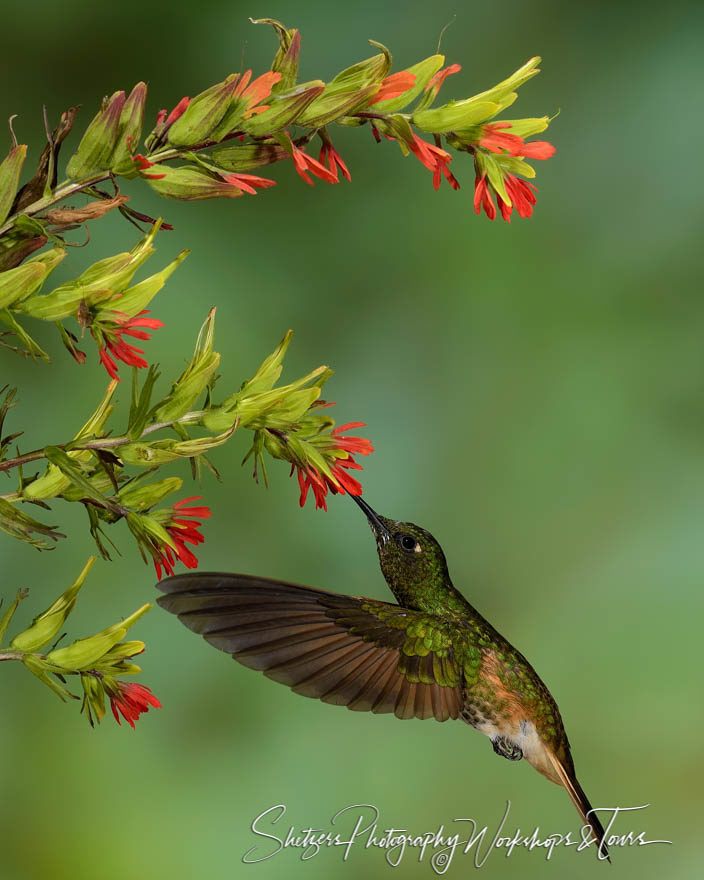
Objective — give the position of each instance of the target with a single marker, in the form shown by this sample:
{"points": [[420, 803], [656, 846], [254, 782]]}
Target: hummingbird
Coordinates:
{"points": [[432, 655]]}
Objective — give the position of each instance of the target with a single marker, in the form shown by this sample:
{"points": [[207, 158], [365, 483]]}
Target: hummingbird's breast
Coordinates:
{"points": [[508, 702]]}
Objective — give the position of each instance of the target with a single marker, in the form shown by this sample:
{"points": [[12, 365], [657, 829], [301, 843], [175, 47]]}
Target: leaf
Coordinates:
{"points": [[455, 115], [194, 379], [17, 524], [422, 72], [10, 170], [140, 406], [68, 468], [284, 109], [286, 59], [99, 141], [9, 614], [40, 670], [47, 624], [30, 345], [45, 176], [5, 407]]}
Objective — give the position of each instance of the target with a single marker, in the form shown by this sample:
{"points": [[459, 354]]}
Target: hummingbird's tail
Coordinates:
{"points": [[580, 800]]}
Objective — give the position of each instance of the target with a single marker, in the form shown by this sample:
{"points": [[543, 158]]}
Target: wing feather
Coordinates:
{"points": [[342, 650]]}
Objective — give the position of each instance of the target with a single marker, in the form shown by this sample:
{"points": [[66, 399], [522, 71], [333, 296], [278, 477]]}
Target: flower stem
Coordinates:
{"points": [[65, 191], [71, 187], [11, 655], [101, 442]]}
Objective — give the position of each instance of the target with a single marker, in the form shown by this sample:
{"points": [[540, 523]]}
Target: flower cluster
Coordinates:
{"points": [[304, 163], [182, 528], [510, 190], [113, 347], [435, 159], [165, 533], [98, 661], [338, 452], [129, 699], [212, 145]]}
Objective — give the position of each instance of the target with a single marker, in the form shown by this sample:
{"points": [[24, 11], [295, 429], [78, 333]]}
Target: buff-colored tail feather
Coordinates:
{"points": [[581, 802]]}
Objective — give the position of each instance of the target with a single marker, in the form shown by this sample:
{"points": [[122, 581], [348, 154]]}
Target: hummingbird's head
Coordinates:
{"points": [[408, 555]]}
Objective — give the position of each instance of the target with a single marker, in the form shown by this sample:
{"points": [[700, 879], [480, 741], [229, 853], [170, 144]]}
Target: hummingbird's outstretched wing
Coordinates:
{"points": [[360, 653]]}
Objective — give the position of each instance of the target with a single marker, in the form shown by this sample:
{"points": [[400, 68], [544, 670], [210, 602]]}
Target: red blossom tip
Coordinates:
{"points": [[482, 197], [329, 154], [339, 481], [131, 700], [537, 150], [305, 163], [395, 85], [522, 195], [143, 163], [435, 159], [248, 183], [183, 529], [496, 140], [259, 89], [116, 348], [178, 111], [436, 81]]}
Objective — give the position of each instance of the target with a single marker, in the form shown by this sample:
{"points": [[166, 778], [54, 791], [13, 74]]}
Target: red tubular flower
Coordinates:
{"points": [[394, 85], [496, 140], [521, 193], [143, 163], [435, 159], [309, 478], [130, 699], [248, 183], [183, 529], [255, 92], [436, 81], [340, 482], [357, 445], [537, 150], [115, 346], [329, 154], [482, 197], [522, 196], [177, 112], [78, 355], [305, 163]]}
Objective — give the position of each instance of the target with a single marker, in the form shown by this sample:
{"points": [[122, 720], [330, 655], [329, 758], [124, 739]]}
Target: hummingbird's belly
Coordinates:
{"points": [[516, 739]]}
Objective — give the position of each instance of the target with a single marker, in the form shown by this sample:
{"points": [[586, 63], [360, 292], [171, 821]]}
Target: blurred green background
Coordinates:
{"points": [[534, 394]]}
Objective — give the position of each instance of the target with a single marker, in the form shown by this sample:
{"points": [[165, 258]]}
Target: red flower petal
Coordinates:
{"points": [[305, 163], [108, 363], [439, 78], [178, 111], [329, 153], [131, 700], [496, 140], [394, 85], [537, 150], [482, 198], [249, 183]]}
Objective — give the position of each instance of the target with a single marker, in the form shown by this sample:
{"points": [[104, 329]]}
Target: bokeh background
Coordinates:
{"points": [[534, 393]]}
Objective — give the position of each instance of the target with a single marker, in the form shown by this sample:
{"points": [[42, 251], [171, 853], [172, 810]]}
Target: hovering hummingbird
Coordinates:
{"points": [[431, 656]]}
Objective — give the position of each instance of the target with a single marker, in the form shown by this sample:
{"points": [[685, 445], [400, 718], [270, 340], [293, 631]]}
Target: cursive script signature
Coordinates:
{"points": [[359, 825]]}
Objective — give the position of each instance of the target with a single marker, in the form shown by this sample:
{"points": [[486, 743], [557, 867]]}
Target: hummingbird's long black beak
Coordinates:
{"points": [[378, 527]]}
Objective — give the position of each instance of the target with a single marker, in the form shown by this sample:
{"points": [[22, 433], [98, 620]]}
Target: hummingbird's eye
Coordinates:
{"points": [[408, 542]]}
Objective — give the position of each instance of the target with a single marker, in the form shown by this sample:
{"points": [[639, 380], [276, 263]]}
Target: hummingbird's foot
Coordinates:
{"points": [[506, 748]]}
